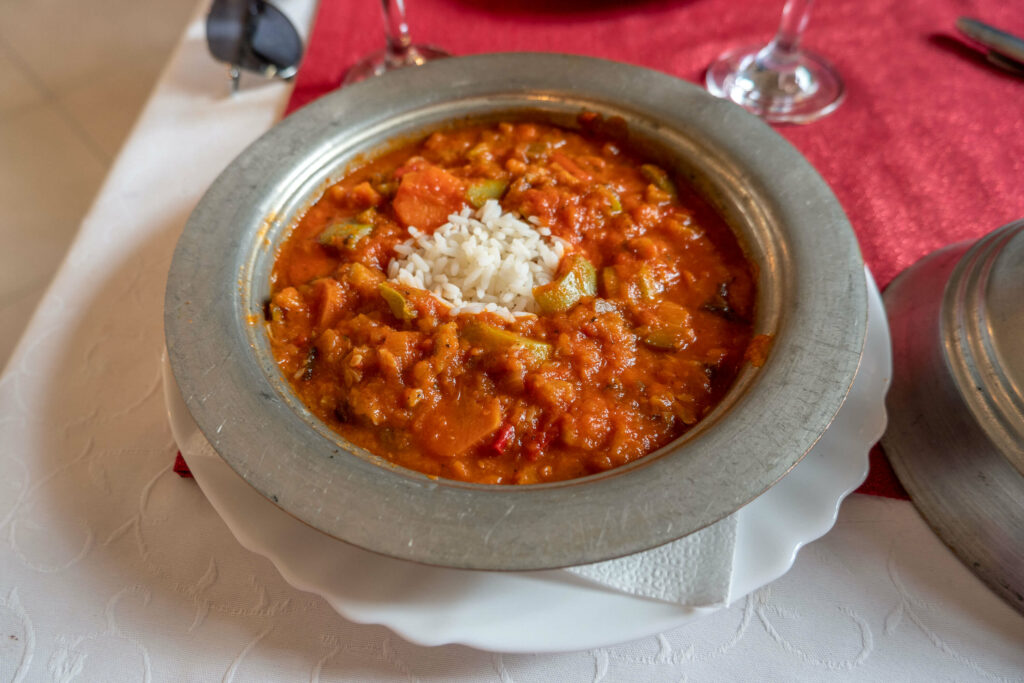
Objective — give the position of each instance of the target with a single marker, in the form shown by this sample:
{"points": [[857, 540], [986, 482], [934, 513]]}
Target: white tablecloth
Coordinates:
{"points": [[112, 568]]}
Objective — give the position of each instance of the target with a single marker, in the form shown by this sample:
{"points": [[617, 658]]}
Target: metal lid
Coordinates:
{"points": [[983, 323], [956, 417]]}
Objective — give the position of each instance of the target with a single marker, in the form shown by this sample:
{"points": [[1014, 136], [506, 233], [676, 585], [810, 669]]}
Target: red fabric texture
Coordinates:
{"points": [[181, 467], [927, 149], [882, 481]]}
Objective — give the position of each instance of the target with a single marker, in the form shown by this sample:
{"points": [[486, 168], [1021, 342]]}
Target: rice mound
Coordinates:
{"points": [[480, 261]]}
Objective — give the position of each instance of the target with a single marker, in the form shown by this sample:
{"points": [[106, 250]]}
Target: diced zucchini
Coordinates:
{"points": [[657, 177], [672, 329], [482, 190], [344, 234], [585, 272], [648, 283], [397, 301], [560, 295], [536, 150], [478, 151], [491, 338], [668, 338]]}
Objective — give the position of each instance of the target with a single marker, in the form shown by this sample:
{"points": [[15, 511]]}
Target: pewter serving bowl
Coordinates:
{"points": [[812, 297]]}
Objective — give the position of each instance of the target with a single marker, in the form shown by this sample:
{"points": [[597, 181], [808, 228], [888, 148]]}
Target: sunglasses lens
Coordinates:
{"points": [[275, 40], [226, 27]]}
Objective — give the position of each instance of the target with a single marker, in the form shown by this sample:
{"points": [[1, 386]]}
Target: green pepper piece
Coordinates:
{"points": [[491, 338], [668, 338], [482, 190], [344, 234], [659, 179], [397, 301], [560, 295]]}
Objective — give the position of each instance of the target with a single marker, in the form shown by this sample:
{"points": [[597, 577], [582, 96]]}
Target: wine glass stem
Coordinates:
{"points": [[396, 30], [786, 43]]}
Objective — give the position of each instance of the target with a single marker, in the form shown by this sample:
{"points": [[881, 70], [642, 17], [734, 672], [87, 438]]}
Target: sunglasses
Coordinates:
{"points": [[255, 36]]}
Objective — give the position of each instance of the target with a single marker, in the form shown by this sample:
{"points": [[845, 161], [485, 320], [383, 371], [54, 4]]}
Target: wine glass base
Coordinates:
{"points": [[800, 90], [385, 60]]}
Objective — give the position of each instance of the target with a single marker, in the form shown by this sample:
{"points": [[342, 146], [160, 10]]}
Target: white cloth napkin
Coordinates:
{"points": [[695, 571]]}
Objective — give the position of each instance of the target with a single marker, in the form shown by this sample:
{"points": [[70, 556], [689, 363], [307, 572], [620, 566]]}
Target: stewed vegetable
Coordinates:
{"points": [[511, 303]]}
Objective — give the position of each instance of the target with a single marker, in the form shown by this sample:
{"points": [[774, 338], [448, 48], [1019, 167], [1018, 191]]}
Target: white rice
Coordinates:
{"points": [[482, 261]]}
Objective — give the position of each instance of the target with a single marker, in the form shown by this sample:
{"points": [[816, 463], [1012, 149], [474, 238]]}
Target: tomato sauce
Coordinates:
{"points": [[637, 358]]}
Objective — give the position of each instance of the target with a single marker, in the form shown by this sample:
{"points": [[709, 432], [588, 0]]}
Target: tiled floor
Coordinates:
{"points": [[73, 76]]}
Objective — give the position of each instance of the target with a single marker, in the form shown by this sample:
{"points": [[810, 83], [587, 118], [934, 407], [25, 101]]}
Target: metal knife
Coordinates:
{"points": [[1005, 50]]}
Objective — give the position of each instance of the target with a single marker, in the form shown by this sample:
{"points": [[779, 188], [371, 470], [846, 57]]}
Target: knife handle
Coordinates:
{"points": [[1004, 43]]}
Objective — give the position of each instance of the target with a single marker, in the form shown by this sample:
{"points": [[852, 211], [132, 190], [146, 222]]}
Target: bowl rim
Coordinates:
{"points": [[802, 240]]}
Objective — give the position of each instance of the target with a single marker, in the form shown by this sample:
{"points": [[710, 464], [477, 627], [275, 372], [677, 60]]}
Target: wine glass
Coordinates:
{"points": [[779, 82], [400, 50]]}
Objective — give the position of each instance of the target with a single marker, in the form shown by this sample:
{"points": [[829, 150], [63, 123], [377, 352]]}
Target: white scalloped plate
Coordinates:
{"points": [[549, 611]]}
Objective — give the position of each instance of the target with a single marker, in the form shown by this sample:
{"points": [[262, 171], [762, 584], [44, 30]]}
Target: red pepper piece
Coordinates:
{"points": [[504, 438]]}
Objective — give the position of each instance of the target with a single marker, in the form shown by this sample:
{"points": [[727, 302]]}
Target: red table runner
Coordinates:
{"points": [[927, 149]]}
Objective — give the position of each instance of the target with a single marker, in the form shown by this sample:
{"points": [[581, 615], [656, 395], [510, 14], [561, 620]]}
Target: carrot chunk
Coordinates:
{"points": [[426, 198], [457, 426]]}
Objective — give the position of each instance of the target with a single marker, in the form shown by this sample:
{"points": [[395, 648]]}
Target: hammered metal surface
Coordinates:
{"points": [[812, 297]]}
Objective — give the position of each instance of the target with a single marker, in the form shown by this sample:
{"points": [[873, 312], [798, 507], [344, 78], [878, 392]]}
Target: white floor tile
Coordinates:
{"points": [[67, 41], [17, 89], [48, 177]]}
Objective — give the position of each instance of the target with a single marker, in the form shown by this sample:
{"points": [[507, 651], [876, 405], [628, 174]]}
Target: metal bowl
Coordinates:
{"points": [[812, 297]]}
